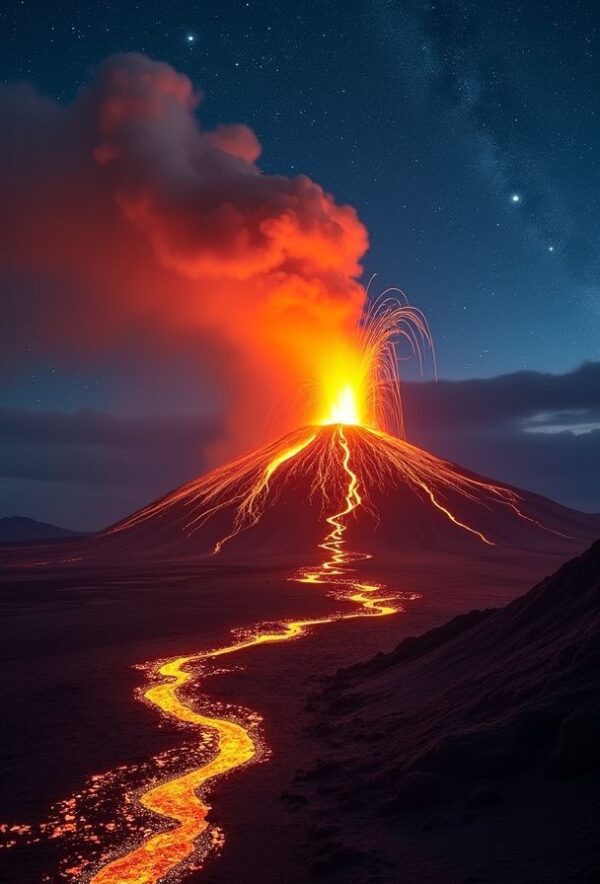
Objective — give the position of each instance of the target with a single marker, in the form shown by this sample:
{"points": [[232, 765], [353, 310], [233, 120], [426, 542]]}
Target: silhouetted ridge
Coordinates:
{"points": [[492, 719], [493, 690], [21, 529]]}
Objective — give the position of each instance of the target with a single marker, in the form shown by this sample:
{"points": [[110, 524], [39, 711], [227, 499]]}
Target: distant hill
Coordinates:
{"points": [[16, 529]]}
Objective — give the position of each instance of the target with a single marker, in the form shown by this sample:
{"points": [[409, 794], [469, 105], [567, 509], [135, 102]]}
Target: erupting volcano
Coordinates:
{"points": [[173, 304], [325, 499], [273, 500]]}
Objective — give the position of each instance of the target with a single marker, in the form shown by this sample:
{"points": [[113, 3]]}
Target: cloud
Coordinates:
{"points": [[537, 431], [87, 469], [493, 403]]}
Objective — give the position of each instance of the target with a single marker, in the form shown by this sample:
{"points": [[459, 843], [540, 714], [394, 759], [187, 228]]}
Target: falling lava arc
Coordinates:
{"points": [[182, 799]]}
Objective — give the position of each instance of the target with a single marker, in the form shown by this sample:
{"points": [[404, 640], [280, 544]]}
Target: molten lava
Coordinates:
{"points": [[274, 499], [358, 384], [344, 409], [180, 799]]}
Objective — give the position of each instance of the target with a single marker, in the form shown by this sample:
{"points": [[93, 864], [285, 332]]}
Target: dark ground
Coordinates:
{"points": [[70, 641]]}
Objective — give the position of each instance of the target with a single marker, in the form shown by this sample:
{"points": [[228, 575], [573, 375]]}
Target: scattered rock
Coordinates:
{"points": [[293, 798], [322, 769], [340, 856], [321, 832], [351, 803]]}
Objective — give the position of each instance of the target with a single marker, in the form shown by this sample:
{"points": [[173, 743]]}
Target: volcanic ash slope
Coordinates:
{"points": [[471, 753]]}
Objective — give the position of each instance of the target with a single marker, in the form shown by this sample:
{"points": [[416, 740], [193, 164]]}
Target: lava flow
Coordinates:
{"points": [[338, 486], [182, 799]]}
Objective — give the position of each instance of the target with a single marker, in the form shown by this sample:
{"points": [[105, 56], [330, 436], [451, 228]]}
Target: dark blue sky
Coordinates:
{"points": [[465, 134], [427, 117]]}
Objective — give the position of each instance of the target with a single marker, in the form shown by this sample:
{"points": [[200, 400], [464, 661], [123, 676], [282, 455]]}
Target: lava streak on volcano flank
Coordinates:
{"points": [[275, 499]]}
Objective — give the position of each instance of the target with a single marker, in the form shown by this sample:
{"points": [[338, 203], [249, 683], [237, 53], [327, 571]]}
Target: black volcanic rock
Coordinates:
{"points": [[415, 789], [577, 746], [493, 687]]}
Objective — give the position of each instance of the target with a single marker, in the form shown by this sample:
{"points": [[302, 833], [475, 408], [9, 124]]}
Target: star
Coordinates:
{"points": [[515, 198], [550, 248], [190, 38]]}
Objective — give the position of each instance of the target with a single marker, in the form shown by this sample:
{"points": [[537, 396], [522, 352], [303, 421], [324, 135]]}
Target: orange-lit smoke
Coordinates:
{"points": [[140, 222]]}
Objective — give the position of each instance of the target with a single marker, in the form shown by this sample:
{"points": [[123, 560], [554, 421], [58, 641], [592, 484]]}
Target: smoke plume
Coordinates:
{"points": [[123, 217]]}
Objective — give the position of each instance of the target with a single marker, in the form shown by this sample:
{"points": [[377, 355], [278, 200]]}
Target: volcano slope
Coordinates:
{"points": [[273, 501], [470, 753]]}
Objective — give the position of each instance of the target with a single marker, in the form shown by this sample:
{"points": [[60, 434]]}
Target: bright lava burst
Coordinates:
{"points": [[360, 384]]}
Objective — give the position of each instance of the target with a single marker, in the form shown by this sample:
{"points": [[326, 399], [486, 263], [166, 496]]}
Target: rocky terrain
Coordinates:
{"points": [[470, 753]]}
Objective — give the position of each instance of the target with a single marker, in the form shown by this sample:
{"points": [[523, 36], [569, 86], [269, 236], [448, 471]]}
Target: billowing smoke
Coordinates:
{"points": [[122, 217]]}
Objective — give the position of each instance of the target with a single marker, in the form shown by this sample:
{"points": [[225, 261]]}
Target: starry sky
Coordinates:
{"points": [[465, 134]]}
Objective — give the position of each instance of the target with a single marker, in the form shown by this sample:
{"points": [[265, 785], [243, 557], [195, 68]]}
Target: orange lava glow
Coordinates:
{"points": [[344, 409], [359, 384], [181, 799]]}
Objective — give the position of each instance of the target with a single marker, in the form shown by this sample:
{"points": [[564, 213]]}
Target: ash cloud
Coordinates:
{"points": [[199, 196], [120, 212]]}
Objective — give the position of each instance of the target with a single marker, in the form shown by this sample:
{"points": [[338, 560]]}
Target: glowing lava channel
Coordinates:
{"points": [[182, 799]]}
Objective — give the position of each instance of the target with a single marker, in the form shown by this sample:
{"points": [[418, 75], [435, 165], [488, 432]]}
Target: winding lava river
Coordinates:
{"points": [[181, 800]]}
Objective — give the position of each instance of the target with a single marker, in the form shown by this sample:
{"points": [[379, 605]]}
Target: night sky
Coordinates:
{"points": [[465, 134]]}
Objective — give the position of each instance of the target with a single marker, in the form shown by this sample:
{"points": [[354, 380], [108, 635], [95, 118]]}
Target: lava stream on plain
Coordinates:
{"points": [[181, 799], [347, 466]]}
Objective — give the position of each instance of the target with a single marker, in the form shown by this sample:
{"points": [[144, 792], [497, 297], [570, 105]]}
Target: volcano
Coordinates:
{"points": [[281, 498]]}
